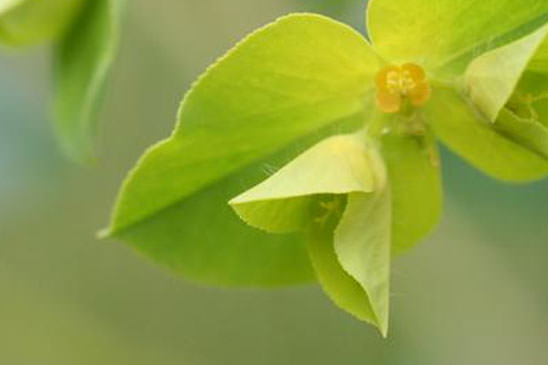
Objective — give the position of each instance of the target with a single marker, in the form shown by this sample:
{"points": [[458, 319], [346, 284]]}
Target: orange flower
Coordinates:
{"points": [[395, 84]]}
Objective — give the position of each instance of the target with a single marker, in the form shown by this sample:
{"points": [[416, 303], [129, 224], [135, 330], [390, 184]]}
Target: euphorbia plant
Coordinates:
{"points": [[325, 143]]}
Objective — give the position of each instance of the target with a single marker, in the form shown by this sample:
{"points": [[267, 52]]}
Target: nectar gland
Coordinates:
{"points": [[398, 84]]}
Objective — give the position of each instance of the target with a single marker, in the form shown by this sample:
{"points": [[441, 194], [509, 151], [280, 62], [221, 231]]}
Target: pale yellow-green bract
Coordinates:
{"points": [[281, 203], [492, 77], [285, 128], [285, 202]]}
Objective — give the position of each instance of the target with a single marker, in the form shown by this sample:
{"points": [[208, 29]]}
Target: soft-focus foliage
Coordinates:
{"points": [[83, 58], [85, 35], [493, 77]]}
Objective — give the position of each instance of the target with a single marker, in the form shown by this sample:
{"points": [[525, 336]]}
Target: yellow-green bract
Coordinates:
{"points": [[285, 128]]}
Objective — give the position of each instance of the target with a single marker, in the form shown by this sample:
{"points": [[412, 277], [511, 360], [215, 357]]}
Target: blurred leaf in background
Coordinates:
{"points": [[82, 60], [85, 35]]}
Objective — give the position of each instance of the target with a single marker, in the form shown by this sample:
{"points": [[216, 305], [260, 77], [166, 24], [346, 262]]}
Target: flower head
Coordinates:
{"points": [[396, 85]]}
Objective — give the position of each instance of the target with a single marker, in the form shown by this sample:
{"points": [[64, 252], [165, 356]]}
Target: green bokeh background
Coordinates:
{"points": [[475, 292]]}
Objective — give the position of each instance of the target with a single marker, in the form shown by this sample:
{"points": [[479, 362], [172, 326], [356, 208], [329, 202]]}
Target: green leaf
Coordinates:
{"points": [[25, 22], [286, 83], [282, 203], [82, 60], [205, 241], [525, 117], [532, 93], [338, 285], [413, 165], [475, 139], [492, 78], [528, 132], [540, 62], [449, 33], [530, 100], [362, 245]]}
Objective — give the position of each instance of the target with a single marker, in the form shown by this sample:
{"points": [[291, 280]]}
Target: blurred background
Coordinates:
{"points": [[475, 292]]}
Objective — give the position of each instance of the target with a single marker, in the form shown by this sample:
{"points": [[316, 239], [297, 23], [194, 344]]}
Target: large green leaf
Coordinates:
{"points": [[282, 203], [205, 241], [82, 61], [449, 33], [31, 21], [287, 81], [413, 167], [474, 138], [492, 77]]}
